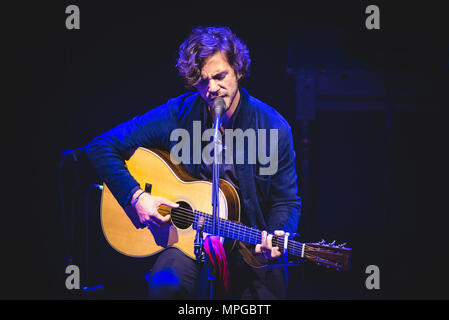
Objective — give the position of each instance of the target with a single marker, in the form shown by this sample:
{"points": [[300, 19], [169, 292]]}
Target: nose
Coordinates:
{"points": [[213, 88]]}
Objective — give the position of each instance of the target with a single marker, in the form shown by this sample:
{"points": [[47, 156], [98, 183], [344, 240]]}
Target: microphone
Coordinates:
{"points": [[219, 105]]}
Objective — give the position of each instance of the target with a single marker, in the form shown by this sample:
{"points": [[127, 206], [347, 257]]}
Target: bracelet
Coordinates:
{"points": [[136, 199]]}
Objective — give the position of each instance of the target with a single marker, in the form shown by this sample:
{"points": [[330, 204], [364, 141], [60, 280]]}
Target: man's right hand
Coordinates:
{"points": [[147, 209]]}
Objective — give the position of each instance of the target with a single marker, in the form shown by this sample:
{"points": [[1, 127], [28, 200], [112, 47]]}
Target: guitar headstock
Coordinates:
{"points": [[329, 254]]}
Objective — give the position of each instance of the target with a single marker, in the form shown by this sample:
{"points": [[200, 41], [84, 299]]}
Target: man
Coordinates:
{"points": [[213, 61]]}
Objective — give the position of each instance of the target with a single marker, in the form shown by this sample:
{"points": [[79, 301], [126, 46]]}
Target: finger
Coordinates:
{"points": [[269, 242], [264, 239], [160, 219], [144, 219], [258, 248], [275, 253], [279, 233], [169, 203]]}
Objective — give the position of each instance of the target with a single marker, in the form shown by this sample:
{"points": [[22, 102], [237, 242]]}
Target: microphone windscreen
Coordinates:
{"points": [[219, 105]]}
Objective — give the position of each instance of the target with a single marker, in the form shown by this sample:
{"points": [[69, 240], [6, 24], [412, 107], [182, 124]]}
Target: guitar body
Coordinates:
{"points": [[121, 226]]}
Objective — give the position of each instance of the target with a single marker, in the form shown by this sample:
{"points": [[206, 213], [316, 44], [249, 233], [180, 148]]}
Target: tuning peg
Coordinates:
{"points": [[332, 243], [342, 245]]}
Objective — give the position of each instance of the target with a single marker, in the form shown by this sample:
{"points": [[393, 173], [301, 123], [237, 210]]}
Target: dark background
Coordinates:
{"points": [[369, 153]]}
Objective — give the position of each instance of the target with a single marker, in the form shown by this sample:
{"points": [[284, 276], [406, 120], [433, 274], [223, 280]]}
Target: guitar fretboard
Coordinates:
{"points": [[238, 231]]}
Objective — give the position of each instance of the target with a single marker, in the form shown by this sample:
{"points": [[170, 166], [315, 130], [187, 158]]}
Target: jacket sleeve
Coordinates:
{"points": [[108, 151], [285, 203]]}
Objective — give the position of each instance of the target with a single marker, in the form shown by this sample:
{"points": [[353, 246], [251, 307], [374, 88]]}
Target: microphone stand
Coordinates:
{"points": [[218, 107], [216, 177], [215, 192], [207, 266]]}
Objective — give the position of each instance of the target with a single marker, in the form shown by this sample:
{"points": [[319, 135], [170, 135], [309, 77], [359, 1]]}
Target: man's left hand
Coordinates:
{"points": [[266, 247]]}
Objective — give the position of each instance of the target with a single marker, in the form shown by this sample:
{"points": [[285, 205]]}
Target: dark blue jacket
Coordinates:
{"points": [[269, 202]]}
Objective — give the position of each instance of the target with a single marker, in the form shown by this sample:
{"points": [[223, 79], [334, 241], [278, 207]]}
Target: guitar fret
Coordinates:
{"points": [[237, 231]]}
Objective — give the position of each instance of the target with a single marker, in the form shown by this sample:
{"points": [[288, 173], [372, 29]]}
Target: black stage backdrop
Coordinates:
{"points": [[365, 106]]}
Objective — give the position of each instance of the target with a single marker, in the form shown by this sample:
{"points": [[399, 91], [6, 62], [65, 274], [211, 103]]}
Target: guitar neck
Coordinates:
{"points": [[237, 231]]}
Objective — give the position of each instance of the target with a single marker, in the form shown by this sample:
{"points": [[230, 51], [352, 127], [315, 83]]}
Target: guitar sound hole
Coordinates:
{"points": [[182, 216]]}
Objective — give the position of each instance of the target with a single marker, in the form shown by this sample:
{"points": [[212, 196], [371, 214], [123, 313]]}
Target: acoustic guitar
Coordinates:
{"points": [[158, 175]]}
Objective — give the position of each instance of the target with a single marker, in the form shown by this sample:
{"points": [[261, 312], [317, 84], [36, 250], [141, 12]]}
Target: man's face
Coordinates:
{"points": [[218, 79]]}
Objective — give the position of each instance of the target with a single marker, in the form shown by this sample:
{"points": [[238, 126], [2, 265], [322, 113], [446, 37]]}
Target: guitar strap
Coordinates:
{"points": [[252, 261], [248, 256]]}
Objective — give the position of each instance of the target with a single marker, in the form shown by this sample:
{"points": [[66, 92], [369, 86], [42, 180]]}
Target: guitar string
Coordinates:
{"points": [[294, 247], [230, 226]]}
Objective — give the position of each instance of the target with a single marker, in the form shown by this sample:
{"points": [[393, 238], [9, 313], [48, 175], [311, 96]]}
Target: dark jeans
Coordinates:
{"points": [[176, 276]]}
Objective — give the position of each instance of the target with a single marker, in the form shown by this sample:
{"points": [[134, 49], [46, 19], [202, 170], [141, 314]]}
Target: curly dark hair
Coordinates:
{"points": [[204, 42]]}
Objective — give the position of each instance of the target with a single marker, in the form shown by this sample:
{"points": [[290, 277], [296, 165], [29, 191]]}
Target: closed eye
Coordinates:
{"points": [[221, 75]]}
